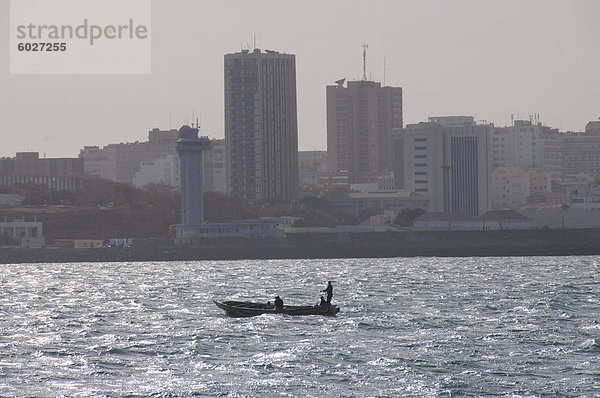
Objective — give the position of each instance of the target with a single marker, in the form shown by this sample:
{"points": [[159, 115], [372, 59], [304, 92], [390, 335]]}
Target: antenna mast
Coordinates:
{"points": [[365, 46], [384, 65]]}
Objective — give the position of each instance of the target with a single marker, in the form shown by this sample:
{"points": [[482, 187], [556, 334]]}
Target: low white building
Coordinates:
{"points": [[253, 229], [511, 186], [505, 220], [23, 233], [489, 221], [10, 200], [158, 171], [394, 201], [447, 221], [584, 198]]}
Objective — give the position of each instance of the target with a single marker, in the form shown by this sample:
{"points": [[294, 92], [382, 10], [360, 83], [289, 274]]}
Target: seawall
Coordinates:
{"points": [[337, 245]]}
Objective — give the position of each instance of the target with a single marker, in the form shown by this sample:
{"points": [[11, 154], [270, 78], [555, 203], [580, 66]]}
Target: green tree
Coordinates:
{"points": [[406, 216], [220, 207]]}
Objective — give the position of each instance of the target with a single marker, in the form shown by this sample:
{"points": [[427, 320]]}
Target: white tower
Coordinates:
{"points": [[189, 148]]}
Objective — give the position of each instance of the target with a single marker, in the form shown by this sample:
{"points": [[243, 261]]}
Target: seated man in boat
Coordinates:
{"points": [[278, 304], [323, 302]]}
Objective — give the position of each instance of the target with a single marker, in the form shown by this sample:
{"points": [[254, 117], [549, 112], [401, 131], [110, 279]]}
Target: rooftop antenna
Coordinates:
{"points": [[365, 46], [254, 41]]}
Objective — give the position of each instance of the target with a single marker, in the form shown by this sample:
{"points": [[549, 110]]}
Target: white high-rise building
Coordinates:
{"points": [[526, 145], [448, 160]]}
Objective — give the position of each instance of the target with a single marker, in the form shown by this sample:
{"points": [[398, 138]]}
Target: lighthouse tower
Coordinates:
{"points": [[189, 148]]}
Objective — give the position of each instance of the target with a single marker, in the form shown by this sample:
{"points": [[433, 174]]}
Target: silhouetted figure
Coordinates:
{"points": [[323, 302], [278, 304], [329, 291]]}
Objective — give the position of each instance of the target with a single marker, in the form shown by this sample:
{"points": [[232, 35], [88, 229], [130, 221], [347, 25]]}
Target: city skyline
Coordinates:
{"points": [[487, 59]]}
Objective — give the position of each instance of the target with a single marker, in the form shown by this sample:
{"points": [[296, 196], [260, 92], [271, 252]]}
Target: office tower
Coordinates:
{"points": [[261, 131], [447, 159], [360, 119], [189, 148]]}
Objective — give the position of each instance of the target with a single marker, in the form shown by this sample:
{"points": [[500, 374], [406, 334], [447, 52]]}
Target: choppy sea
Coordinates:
{"points": [[421, 327]]}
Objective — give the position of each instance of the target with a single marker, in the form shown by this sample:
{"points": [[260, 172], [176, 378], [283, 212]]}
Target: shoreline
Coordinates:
{"points": [[341, 245]]}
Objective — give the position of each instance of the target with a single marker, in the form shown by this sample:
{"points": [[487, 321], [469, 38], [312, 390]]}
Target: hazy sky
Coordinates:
{"points": [[484, 58]]}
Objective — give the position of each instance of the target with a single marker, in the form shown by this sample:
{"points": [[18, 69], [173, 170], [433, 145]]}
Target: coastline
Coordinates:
{"points": [[562, 242]]}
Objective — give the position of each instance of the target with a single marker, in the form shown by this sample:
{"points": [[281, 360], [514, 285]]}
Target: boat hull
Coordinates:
{"points": [[247, 309]]}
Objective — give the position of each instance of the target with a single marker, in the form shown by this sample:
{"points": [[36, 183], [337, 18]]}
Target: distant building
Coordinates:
{"points": [[593, 127], [158, 171], [261, 130], [23, 233], [580, 152], [545, 200], [78, 243], [447, 159], [214, 162], [166, 170], [8, 200], [120, 162], [56, 173], [358, 202], [561, 217], [505, 220], [533, 146], [491, 220], [360, 120], [522, 145], [585, 198], [254, 229], [511, 186], [312, 165], [446, 221]]}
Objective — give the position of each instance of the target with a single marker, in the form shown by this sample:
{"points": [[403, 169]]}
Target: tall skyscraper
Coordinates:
{"points": [[261, 130], [360, 119], [447, 159]]}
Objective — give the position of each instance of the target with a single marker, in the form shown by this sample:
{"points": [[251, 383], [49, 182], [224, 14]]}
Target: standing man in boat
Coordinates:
{"points": [[329, 291]]}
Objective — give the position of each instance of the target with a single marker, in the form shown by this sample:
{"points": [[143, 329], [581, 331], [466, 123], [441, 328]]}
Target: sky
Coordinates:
{"points": [[484, 58]]}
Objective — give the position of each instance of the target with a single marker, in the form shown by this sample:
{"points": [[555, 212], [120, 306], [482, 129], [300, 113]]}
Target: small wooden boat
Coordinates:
{"points": [[245, 309]]}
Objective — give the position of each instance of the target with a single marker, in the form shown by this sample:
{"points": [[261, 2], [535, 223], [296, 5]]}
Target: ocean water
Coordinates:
{"points": [[421, 327]]}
